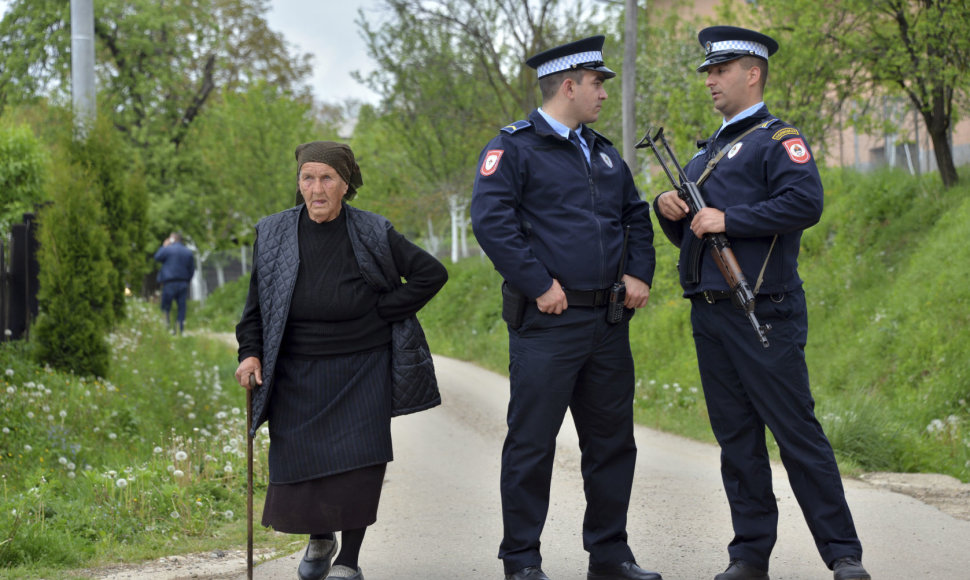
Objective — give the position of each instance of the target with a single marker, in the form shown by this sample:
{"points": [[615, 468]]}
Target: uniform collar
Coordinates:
{"points": [[741, 121], [557, 127], [750, 111]]}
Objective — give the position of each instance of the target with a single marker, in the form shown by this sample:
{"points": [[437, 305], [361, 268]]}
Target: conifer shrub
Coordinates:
{"points": [[75, 296], [122, 193]]}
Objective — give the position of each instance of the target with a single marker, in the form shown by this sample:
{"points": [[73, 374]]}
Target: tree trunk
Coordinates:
{"points": [[453, 208], [937, 118]]}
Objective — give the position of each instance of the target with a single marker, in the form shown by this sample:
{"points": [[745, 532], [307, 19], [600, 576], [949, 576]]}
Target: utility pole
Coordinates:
{"points": [[629, 85], [82, 62]]}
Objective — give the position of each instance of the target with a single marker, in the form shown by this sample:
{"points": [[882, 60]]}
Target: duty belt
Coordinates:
{"points": [[587, 298], [712, 296]]}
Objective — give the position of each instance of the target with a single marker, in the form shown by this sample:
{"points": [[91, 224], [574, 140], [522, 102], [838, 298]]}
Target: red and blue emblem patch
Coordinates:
{"points": [[797, 150], [490, 163]]}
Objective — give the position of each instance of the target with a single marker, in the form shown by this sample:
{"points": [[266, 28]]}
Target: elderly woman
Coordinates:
{"points": [[329, 332]]}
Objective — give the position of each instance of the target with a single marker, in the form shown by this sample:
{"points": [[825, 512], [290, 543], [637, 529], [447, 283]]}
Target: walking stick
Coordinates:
{"points": [[249, 477]]}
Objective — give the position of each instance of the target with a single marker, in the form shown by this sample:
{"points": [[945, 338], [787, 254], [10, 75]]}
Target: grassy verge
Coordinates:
{"points": [[150, 461]]}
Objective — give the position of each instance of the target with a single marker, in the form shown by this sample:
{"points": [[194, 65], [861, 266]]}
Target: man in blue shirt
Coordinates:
{"points": [[178, 267], [763, 191], [550, 204]]}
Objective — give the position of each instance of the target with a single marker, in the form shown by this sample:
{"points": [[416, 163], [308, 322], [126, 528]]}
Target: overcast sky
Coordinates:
{"points": [[325, 29]]}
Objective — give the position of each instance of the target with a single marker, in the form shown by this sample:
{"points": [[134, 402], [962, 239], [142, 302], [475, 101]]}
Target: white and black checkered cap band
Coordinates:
{"points": [[568, 62], [747, 46]]}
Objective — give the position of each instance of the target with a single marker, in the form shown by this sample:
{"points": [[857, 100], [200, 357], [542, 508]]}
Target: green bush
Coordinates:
{"points": [[75, 294], [22, 169], [119, 183]]}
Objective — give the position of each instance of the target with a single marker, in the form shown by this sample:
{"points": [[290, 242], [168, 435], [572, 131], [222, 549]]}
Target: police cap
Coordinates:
{"points": [[586, 53], [725, 43]]}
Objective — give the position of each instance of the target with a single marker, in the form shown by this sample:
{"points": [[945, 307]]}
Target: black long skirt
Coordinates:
{"points": [[330, 441], [345, 501]]}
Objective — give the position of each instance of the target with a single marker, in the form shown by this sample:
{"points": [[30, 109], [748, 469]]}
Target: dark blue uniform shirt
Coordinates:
{"points": [[766, 185], [178, 263], [540, 212]]}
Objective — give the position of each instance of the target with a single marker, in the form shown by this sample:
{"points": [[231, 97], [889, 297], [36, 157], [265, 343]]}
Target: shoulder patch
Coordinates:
{"points": [[797, 151], [490, 162], [782, 133], [512, 128]]}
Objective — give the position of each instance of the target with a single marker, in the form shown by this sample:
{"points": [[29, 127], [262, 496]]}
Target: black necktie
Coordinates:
{"points": [[574, 137]]}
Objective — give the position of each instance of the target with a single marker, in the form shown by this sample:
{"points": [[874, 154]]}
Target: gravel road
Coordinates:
{"points": [[440, 515]]}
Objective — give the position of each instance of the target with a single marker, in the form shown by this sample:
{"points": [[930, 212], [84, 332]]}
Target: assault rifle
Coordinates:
{"points": [[741, 293]]}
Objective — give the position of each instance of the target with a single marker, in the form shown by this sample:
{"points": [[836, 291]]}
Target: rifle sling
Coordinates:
{"points": [[707, 171]]}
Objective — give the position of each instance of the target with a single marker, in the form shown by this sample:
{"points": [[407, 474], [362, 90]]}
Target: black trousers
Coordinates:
{"points": [[747, 388], [577, 361]]}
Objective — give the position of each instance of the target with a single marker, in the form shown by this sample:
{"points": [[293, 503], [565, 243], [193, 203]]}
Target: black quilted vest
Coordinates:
{"points": [[414, 387]]}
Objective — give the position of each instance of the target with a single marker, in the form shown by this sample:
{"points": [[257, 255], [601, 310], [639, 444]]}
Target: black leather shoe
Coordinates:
{"points": [[850, 569], [738, 570], [316, 568], [625, 571], [528, 573]]}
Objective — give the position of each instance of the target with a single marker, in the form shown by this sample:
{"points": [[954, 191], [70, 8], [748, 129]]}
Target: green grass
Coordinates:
{"points": [[150, 461]]}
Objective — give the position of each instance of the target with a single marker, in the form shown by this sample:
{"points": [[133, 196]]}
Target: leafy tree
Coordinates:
{"points": [[158, 63], [75, 295], [450, 73], [239, 166], [23, 159], [866, 48]]}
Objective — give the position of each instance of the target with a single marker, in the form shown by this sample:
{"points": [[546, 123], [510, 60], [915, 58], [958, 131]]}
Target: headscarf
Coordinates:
{"points": [[336, 155]]}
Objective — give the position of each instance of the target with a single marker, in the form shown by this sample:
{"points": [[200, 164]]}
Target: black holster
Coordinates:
{"points": [[513, 305]]}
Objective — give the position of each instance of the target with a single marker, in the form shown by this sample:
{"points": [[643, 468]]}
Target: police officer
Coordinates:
{"points": [[550, 203], [762, 192]]}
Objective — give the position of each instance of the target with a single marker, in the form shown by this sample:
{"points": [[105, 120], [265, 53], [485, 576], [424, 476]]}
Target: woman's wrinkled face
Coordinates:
{"points": [[322, 189]]}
